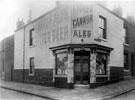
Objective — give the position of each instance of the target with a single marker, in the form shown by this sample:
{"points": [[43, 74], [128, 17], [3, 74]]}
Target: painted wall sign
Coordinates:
{"points": [[82, 33], [53, 35], [85, 20], [82, 9], [52, 27], [56, 18]]}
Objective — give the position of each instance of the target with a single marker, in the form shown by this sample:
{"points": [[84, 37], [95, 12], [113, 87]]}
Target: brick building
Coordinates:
{"points": [[73, 44]]}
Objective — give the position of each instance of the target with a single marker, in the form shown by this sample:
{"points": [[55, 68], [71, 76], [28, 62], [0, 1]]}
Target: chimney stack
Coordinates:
{"points": [[30, 16], [130, 19], [20, 23], [118, 10]]}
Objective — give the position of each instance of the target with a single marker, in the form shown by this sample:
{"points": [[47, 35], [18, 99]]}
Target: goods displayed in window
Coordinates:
{"points": [[101, 64], [61, 64]]}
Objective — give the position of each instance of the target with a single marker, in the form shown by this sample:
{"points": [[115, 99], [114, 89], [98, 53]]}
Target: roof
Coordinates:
{"points": [[115, 14], [59, 6]]}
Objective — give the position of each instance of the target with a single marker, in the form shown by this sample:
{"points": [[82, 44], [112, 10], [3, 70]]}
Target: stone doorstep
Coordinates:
{"points": [[81, 86]]}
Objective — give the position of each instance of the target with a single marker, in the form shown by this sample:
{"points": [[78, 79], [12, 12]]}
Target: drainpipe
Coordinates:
{"points": [[24, 55]]}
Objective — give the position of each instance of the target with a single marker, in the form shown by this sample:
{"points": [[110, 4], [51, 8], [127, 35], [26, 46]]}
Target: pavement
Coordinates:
{"points": [[52, 93]]}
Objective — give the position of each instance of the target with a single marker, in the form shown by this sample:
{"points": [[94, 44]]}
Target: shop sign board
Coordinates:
{"points": [[82, 21]]}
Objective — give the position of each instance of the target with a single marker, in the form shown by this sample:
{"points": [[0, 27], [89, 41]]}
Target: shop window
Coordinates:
{"points": [[102, 27], [31, 38], [31, 69], [126, 66], [61, 63], [101, 63]]}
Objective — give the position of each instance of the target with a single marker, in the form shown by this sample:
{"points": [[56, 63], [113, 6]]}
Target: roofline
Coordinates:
{"points": [[59, 6], [38, 18], [114, 14]]}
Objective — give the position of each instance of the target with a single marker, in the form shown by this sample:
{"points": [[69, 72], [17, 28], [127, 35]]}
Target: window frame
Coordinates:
{"points": [[30, 66], [127, 61], [126, 37], [31, 37], [105, 63], [102, 26], [56, 71]]}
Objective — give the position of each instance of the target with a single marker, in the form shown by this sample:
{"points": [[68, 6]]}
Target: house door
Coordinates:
{"points": [[81, 68]]}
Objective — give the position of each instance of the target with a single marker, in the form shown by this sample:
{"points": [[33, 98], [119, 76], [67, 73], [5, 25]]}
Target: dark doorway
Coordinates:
{"points": [[81, 67], [132, 64]]}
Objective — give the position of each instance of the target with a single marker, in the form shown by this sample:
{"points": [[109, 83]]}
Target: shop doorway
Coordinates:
{"points": [[82, 67]]}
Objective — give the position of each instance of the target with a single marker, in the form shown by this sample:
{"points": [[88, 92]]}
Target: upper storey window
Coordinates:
{"points": [[31, 37], [126, 39], [102, 27]]}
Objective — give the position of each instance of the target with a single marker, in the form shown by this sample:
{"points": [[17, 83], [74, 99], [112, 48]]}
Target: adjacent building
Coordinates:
{"points": [[7, 58], [129, 47]]}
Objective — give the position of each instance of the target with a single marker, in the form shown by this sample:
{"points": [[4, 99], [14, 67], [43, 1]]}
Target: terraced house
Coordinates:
{"points": [[76, 43]]}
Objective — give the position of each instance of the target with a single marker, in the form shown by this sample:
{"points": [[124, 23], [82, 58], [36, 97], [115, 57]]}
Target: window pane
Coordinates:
{"points": [[102, 27], [100, 22], [126, 36], [31, 70], [31, 37], [101, 64], [85, 65], [77, 65], [101, 32], [62, 63], [126, 66], [104, 33]]}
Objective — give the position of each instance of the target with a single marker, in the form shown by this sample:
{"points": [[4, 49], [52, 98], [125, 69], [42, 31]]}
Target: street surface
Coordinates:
{"points": [[127, 96], [10, 94]]}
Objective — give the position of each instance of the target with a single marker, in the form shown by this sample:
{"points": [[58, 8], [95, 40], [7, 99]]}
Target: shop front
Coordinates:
{"points": [[77, 64]]}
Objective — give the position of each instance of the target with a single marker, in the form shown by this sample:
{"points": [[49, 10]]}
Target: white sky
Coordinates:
{"points": [[11, 10]]}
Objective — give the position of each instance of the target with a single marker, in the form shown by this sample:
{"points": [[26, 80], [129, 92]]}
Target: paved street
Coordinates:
{"points": [[10, 94], [103, 92], [127, 96]]}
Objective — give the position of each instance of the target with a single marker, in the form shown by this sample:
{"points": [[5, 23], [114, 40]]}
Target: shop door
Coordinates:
{"points": [[82, 68]]}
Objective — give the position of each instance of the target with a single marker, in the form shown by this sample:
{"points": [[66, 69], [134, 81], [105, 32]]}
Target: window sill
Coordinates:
{"points": [[125, 44], [101, 75], [32, 46], [60, 76], [100, 39], [126, 70], [31, 74]]}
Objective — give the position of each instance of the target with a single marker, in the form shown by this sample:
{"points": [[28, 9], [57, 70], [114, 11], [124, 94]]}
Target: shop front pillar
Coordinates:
{"points": [[70, 69], [54, 64], [93, 67], [108, 67]]}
